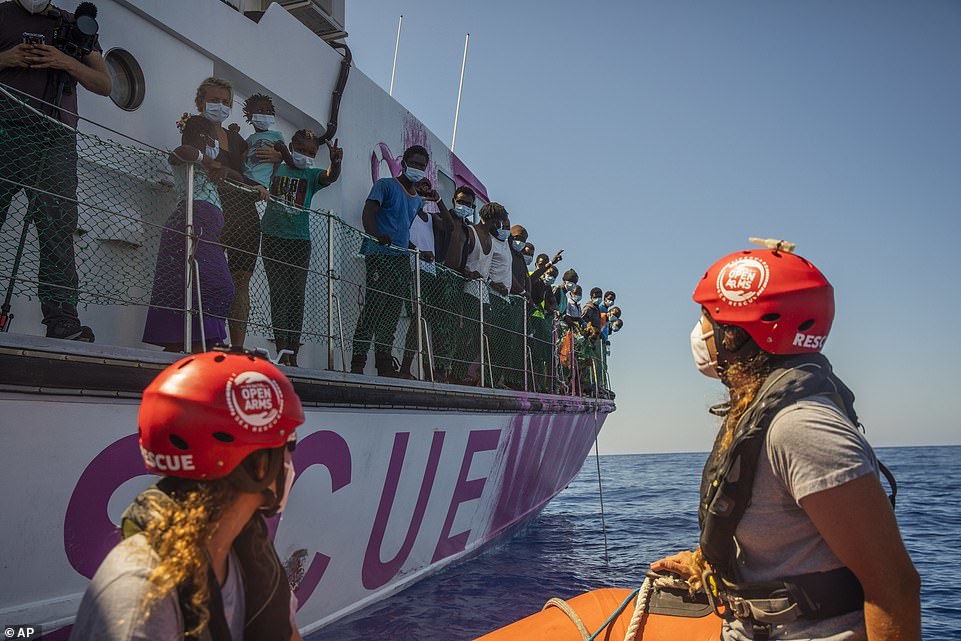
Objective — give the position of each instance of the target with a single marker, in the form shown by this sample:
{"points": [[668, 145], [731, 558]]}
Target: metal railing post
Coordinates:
{"points": [[526, 360], [330, 295], [430, 352], [343, 349], [188, 257], [480, 299], [418, 316]]}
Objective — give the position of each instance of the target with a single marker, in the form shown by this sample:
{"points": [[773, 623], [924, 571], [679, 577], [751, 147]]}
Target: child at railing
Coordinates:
{"points": [[165, 318], [286, 235], [241, 238]]}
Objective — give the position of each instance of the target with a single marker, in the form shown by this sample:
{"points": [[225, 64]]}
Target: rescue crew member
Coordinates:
{"points": [[797, 538], [196, 561]]}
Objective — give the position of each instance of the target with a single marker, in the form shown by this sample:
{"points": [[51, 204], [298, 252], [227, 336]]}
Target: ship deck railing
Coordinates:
{"points": [[136, 256]]}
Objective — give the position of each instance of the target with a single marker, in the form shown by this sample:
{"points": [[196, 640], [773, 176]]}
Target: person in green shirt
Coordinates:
{"points": [[286, 235]]}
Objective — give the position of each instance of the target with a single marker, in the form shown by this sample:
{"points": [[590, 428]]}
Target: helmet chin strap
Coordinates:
{"points": [[243, 478], [743, 349]]}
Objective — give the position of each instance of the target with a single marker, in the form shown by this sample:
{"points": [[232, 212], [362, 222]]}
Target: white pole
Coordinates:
{"points": [[460, 88], [393, 67]]}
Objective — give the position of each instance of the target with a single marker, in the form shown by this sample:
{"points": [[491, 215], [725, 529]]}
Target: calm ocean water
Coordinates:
{"points": [[650, 502]]}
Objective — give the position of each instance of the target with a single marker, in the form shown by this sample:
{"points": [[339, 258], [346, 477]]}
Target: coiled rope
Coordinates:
{"points": [[643, 595]]}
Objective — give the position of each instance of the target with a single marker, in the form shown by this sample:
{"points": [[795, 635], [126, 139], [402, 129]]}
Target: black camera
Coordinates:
{"points": [[77, 36]]}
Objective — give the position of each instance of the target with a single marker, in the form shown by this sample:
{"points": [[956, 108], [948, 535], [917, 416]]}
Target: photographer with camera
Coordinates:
{"points": [[44, 53]]}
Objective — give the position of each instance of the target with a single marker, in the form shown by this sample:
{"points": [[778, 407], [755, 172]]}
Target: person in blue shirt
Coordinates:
{"points": [[388, 213], [286, 236]]}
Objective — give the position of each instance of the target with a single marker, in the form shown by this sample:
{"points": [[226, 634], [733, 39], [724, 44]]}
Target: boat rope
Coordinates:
{"points": [[566, 608], [640, 607]]}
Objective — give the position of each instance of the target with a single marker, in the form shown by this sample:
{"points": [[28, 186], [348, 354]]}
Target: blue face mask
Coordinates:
{"points": [[212, 151], [216, 112], [576, 298], [501, 234], [550, 279], [518, 245], [301, 161], [596, 301], [414, 175], [528, 260], [262, 122], [463, 210]]}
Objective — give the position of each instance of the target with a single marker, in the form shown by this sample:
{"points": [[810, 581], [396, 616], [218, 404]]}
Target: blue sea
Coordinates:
{"points": [[650, 508]]}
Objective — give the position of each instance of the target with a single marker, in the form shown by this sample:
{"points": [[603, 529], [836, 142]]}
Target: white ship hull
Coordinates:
{"points": [[395, 481]]}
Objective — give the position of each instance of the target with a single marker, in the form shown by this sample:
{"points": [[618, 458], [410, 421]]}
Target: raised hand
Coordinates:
{"points": [[336, 153]]}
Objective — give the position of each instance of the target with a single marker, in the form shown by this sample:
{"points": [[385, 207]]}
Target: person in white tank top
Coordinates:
{"points": [[478, 266]]}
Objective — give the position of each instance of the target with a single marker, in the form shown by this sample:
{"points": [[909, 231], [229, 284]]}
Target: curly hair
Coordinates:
{"points": [[210, 83], [258, 102], [178, 534], [744, 379]]}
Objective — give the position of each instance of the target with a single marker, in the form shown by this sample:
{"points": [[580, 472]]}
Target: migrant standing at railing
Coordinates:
{"points": [[499, 322], [452, 248], [165, 317], [562, 291], [242, 238], [286, 236], [42, 155], [388, 213], [436, 304], [477, 267], [570, 333], [593, 322]]}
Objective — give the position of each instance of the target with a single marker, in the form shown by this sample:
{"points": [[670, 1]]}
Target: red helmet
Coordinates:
{"points": [[784, 302], [206, 413]]}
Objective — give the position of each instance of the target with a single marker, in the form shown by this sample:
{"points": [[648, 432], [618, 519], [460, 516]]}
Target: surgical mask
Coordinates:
{"points": [[596, 300], [568, 285], [301, 161], [550, 279], [289, 474], [212, 151], [576, 298], [528, 260], [608, 302], [501, 234], [463, 210], [702, 356], [518, 245], [262, 122], [414, 175], [34, 6], [216, 112], [616, 328]]}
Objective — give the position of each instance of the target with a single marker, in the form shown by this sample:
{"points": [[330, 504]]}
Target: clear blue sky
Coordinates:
{"points": [[651, 138]]}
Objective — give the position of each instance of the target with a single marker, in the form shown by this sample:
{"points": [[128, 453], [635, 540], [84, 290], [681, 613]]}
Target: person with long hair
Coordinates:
{"points": [[196, 560], [797, 536]]}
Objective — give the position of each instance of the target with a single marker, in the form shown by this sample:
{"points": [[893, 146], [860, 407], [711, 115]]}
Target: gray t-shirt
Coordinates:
{"points": [[112, 608], [811, 446]]}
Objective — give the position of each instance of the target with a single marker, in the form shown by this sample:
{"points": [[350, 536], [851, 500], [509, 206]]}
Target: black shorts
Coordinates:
{"points": [[241, 234]]}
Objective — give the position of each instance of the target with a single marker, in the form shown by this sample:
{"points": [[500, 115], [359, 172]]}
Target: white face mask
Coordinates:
{"points": [[212, 151], [288, 483], [216, 112], [702, 356], [35, 6], [301, 161], [262, 122]]}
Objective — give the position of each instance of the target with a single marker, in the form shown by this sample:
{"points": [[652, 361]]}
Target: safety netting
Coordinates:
{"points": [[184, 260]]}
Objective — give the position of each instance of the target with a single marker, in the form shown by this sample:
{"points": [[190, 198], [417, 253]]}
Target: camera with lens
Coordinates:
{"points": [[77, 36]]}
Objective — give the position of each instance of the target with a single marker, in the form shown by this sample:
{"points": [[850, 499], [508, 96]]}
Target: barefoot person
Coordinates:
{"points": [[797, 536], [196, 560]]}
